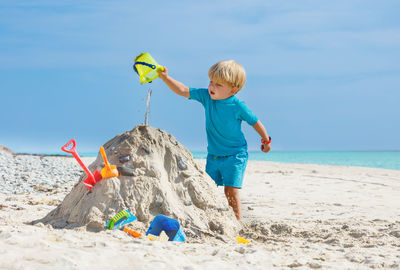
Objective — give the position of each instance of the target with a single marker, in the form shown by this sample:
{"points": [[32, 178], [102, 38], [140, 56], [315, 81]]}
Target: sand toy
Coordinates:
{"points": [[163, 237], [108, 170], [171, 227], [264, 142], [92, 178], [120, 219], [146, 67], [241, 240], [132, 232]]}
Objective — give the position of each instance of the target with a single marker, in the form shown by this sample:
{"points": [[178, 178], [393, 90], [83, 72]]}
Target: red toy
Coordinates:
{"points": [[92, 179], [264, 142]]}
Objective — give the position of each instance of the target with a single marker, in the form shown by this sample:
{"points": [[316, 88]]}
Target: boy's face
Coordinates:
{"points": [[220, 90]]}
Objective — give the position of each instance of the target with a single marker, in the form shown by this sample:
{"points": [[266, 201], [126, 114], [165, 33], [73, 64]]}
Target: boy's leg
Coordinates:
{"points": [[232, 195], [232, 174], [212, 169]]}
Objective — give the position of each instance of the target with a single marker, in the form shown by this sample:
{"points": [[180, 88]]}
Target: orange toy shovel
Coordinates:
{"points": [[108, 170]]}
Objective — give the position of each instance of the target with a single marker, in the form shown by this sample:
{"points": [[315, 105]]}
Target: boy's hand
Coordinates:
{"points": [[266, 145], [265, 148], [163, 74]]}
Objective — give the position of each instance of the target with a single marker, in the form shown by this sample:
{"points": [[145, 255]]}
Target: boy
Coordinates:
{"points": [[227, 147]]}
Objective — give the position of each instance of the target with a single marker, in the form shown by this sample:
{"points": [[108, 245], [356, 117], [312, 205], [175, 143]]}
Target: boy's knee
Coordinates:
{"points": [[232, 191]]}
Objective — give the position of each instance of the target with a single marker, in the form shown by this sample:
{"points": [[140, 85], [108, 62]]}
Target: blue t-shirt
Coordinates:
{"points": [[223, 122]]}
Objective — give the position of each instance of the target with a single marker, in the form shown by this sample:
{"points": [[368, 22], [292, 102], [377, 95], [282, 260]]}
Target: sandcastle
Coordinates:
{"points": [[160, 177]]}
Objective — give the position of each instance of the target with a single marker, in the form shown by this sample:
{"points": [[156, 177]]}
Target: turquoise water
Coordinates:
{"points": [[378, 159], [373, 159]]}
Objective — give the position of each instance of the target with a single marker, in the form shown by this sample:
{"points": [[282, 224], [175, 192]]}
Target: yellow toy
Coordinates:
{"points": [[241, 240], [163, 237], [152, 237], [108, 170], [146, 67]]}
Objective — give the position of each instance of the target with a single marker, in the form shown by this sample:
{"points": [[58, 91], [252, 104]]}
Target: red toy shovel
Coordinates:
{"points": [[92, 179]]}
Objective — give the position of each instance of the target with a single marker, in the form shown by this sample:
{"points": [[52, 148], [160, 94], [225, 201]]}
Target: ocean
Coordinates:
{"points": [[373, 159]]}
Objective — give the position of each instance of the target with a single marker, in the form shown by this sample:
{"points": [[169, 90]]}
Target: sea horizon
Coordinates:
{"points": [[386, 159]]}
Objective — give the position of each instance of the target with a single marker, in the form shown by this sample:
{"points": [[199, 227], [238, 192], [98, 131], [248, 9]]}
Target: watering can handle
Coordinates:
{"points": [[145, 64]]}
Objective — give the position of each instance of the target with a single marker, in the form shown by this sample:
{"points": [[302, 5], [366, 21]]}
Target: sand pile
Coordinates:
{"points": [[5, 150], [160, 177]]}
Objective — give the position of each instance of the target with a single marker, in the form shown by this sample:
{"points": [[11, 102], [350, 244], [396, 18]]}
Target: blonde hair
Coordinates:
{"points": [[228, 71]]}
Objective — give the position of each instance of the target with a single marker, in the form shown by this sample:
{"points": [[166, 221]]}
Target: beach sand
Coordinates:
{"points": [[298, 216]]}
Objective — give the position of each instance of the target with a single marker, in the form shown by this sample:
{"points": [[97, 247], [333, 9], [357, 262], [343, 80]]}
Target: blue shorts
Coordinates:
{"points": [[227, 171]]}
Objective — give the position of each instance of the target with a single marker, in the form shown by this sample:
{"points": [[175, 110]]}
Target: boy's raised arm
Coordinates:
{"points": [[176, 86]]}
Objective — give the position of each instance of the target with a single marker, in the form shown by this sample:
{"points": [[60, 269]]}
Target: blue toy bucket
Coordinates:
{"points": [[171, 227]]}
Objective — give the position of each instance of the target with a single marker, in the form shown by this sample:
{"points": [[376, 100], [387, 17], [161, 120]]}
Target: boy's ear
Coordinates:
{"points": [[235, 90]]}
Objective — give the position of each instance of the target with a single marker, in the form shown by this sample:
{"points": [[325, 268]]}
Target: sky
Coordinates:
{"points": [[321, 75]]}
